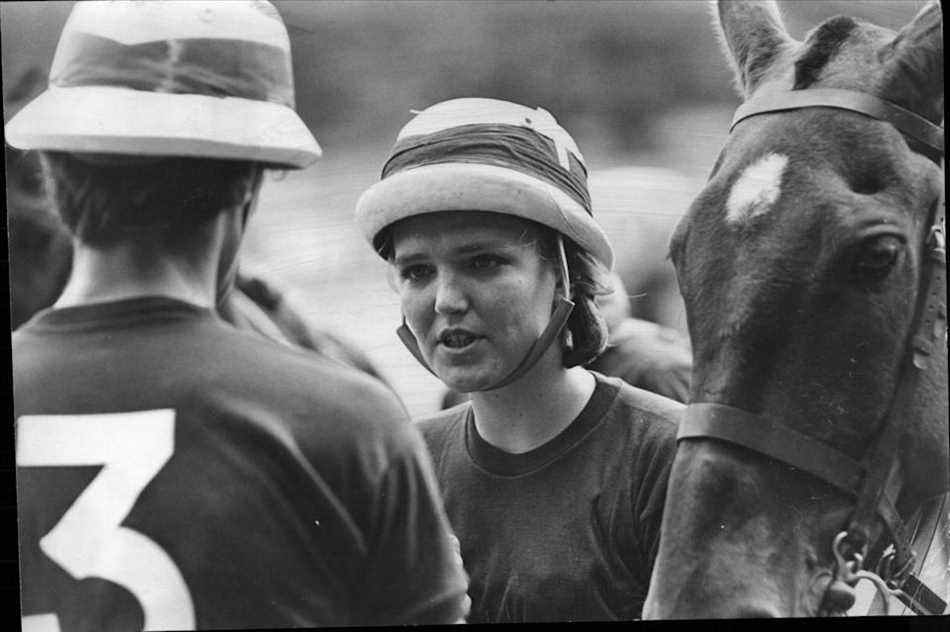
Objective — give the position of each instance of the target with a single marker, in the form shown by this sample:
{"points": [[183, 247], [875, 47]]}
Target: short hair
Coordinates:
{"points": [[589, 279], [105, 200]]}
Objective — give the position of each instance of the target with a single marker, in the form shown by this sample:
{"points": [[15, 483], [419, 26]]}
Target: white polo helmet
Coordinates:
{"points": [[476, 154], [159, 78], [496, 156]]}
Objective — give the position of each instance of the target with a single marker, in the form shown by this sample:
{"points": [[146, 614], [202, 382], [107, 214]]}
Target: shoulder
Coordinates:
{"points": [[653, 417], [437, 429], [321, 397], [444, 419]]}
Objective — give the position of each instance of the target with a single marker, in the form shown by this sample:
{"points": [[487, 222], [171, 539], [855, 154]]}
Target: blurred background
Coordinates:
{"points": [[641, 85]]}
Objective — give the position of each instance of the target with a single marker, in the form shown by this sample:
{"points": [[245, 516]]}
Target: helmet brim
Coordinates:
{"points": [[478, 187], [112, 120]]}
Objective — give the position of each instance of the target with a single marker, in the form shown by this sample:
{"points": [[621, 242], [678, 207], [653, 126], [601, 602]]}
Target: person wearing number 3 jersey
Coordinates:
{"points": [[173, 472]]}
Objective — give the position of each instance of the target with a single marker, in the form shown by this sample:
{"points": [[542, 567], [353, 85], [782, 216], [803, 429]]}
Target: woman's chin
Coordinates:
{"points": [[467, 379]]}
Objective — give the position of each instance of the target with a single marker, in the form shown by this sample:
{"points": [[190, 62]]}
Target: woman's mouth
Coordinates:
{"points": [[457, 339]]}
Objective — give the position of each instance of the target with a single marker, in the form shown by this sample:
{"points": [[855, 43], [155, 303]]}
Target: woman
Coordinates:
{"points": [[553, 476]]}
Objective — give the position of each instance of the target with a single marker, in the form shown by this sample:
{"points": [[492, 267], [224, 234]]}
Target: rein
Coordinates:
{"points": [[874, 481]]}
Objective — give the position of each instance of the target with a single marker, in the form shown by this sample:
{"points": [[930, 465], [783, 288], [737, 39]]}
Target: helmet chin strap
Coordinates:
{"points": [[553, 330]]}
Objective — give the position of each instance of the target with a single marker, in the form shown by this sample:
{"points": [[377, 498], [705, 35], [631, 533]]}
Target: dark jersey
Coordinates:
{"points": [[567, 531], [174, 472]]}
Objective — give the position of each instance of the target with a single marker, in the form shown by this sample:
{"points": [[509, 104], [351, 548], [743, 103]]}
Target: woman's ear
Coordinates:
{"points": [[753, 38]]}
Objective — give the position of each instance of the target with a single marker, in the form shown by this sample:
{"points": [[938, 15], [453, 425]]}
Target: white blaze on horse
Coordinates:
{"points": [[814, 453]]}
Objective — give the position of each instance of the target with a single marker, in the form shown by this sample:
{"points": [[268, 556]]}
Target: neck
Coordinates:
{"points": [[534, 409], [133, 270]]}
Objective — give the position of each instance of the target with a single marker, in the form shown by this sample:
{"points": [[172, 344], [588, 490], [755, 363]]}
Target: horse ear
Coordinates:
{"points": [[753, 37], [914, 60]]}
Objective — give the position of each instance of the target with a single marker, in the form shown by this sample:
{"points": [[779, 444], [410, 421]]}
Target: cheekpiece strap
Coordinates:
{"points": [[881, 462]]}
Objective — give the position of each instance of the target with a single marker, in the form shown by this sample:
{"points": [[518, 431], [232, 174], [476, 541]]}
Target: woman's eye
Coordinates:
{"points": [[877, 257], [415, 273], [485, 262]]}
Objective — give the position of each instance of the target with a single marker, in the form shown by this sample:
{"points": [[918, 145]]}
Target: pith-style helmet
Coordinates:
{"points": [[485, 155], [158, 78]]}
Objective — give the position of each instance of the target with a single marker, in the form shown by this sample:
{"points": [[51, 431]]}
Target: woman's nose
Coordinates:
{"points": [[450, 297]]}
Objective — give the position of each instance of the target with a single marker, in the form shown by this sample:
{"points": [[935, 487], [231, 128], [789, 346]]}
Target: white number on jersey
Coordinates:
{"points": [[89, 540]]}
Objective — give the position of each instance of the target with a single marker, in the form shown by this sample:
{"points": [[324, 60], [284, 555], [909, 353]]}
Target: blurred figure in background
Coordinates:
{"points": [[40, 247], [174, 472], [640, 352]]}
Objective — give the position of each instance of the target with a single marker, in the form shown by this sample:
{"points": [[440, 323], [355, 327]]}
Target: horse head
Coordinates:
{"points": [[802, 265]]}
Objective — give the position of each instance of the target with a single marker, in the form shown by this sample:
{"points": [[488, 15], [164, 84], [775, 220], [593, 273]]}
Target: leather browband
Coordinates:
{"points": [[913, 125]]}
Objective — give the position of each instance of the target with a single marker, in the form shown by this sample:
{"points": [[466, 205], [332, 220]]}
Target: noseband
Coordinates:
{"points": [[875, 480]]}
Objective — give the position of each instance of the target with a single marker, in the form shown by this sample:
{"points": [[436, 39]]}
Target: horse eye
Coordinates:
{"points": [[877, 257]]}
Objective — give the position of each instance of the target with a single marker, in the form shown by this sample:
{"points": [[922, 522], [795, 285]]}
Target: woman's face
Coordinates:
{"points": [[475, 292]]}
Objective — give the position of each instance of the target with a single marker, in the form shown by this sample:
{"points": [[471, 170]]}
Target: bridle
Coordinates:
{"points": [[875, 480]]}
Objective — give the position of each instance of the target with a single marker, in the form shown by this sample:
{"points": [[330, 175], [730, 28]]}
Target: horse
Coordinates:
{"points": [[814, 452]]}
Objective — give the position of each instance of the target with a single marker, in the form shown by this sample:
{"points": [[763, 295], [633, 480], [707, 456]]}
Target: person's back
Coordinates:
{"points": [[172, 471], [178, 472]]}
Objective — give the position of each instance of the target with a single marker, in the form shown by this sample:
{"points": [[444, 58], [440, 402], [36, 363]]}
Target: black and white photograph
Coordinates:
{"points": [[361, 313]]}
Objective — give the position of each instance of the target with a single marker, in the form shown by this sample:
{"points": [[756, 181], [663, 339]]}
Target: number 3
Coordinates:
{"points": [[89, 540]]}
